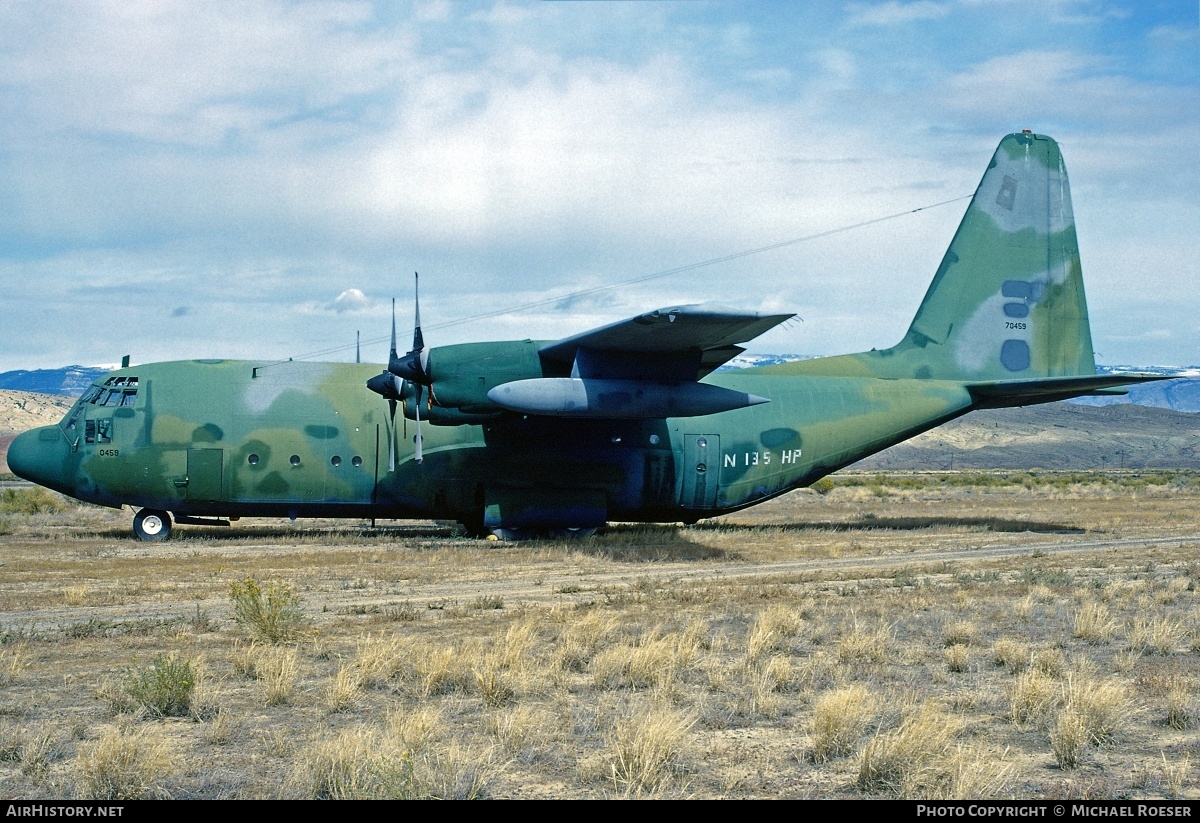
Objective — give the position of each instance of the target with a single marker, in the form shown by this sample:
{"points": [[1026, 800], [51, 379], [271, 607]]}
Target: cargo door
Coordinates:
{"points": [[700, 472], [204, 467]]}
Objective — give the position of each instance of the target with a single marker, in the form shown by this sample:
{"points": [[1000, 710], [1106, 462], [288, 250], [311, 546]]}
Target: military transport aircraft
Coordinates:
{"points": [[626, 422]]}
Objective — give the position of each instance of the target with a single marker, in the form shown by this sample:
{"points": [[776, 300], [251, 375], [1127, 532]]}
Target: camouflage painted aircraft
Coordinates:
{"points": [[628, 422]]}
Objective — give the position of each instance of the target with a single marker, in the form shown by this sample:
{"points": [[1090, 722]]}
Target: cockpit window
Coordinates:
{"points": [[116, 391], [97, 431]]}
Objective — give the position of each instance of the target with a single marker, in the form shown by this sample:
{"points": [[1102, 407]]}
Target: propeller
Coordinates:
{"points": [[389, 386], [414, 366], [410, 370]]}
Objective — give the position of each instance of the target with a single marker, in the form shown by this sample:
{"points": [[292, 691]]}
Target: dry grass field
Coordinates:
{"points": [[1012, 635]]}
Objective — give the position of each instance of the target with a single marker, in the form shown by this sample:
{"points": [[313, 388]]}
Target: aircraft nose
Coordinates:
{"points": [[38, 457]]}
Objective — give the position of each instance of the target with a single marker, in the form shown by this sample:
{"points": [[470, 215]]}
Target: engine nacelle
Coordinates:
{"points": [[630, 399]]}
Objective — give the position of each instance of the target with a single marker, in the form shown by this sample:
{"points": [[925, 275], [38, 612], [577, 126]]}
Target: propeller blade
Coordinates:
{"points": [[417, 456], [392, 354], [418, 338], [414, 366], [392, 438]]}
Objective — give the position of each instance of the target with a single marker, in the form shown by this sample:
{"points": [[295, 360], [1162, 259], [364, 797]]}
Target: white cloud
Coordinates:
{"points": [[350, 300]]}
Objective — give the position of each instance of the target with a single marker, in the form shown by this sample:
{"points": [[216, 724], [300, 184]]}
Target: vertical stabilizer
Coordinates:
{"points": [[1007, 301]]}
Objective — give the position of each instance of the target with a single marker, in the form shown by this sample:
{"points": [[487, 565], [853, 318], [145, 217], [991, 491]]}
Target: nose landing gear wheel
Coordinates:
{"points": [[152, 525]]}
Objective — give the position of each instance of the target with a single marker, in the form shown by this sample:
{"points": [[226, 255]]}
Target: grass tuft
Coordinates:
{"points": [[644, 749], [1092, 623], [125, 765], [771, 631], [860, 645], [961, 633], [957, 657], [1155, 634], [904, 760], [1011, 654], [654, 660], [277, 669], [342, 691], [32, 501], [840, 718], [354, 765], [1033, 697], [1181, 706], [1175, 775], [13, 661], [1095, 713]]}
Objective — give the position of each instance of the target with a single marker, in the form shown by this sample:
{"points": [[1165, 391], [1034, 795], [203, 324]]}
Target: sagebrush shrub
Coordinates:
{"points": [[272, 613], [164, 688]]}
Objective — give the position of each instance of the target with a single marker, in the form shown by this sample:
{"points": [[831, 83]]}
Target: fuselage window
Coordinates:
{"points": [[336, 460], [357, 461], [252, 460], [295, 459], [128, 397]]}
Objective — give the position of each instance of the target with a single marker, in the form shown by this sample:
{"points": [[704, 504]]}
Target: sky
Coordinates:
{"points": [[258, 180]]}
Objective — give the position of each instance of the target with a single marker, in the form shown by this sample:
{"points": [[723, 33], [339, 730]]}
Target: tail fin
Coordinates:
{"points": [[1007, 301], [1005, 314]]}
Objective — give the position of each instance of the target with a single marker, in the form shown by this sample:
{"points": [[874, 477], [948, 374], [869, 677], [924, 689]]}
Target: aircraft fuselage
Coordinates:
{"points": [[236, 439]]}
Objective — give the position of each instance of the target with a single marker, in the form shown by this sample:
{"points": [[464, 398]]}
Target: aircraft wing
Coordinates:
{"points": [[644, 367], [681, 343]]}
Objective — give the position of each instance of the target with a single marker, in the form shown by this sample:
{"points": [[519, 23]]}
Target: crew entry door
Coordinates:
{"points": [[701, 471], [204, 470]]}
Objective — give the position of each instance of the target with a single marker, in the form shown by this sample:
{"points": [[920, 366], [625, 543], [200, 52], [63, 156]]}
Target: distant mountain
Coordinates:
{"points": [[1052, 436], [1181, 395], [67, 382], [748, 361]]}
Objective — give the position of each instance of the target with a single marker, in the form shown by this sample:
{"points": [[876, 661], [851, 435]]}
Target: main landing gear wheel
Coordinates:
{"points": [[152, 525]]}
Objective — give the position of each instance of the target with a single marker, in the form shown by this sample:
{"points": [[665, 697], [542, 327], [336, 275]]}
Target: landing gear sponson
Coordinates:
{"points": [[154, 525]]}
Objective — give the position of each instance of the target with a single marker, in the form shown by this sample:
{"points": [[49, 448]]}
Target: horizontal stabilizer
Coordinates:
{"points": [[627, 399], [1000, 394]]}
